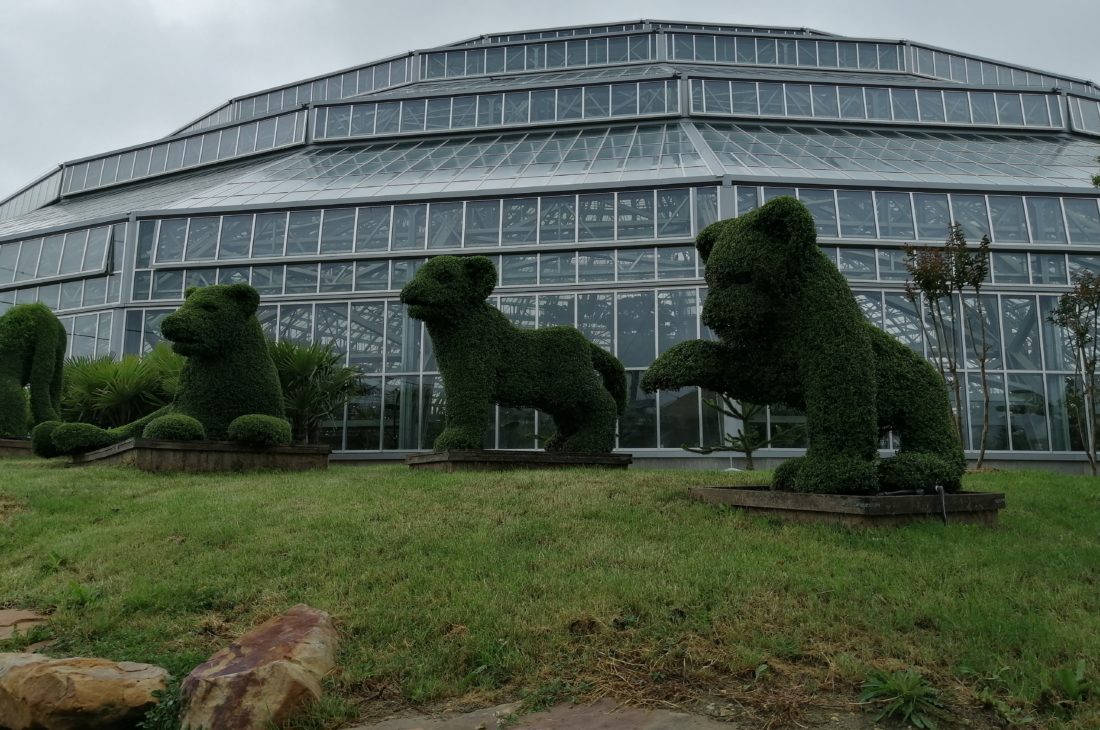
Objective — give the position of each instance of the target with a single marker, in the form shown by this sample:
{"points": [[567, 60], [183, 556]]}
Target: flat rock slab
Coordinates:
{"points": [[14, 620], [158, 455], [15, 449], [478, 460], [264, 678], [858, 511], [603, 715], [39, 693]]}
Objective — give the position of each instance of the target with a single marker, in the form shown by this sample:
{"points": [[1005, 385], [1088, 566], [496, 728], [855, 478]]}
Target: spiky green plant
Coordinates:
{"points": [[108, 393], [904, 695], [315, 385]]}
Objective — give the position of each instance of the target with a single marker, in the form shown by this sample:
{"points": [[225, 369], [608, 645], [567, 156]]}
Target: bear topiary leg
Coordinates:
{"points": [[13, 408], [469, 409], [46, 370]]}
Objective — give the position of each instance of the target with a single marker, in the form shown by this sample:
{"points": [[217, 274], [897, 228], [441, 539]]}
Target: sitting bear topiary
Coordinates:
{"points": [[32, 350], [484, 359], [791, 333], [228, 373]]}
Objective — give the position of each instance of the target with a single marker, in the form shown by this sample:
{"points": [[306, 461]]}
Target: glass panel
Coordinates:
{"points": [[303, 232], [744, 98], [933, 216], [337, 229], [1035, 110], [822, 207], [931, 106], [635, 215], [958, 107], [638, 425], [624, 100], [596, 218], [402, 340], [1047, 225], [1021, 322], [970, 212], [636, 265], [637, 336], [676, 263], [1010, 268], [542, 105], [372, 231], [983, 107], [1007, 214], [301, 279], [463, 112], [857, 263], [482, 227], [202, 238], [1047, 268], [439, 114], [825, 102], [1027, 412], [998, 423], [904, 104], [268, 279], [372, 275], [771, 99], [445, 225], [673, 213], [895, 216], [362, 120], [891, 265], [595, 318], [597, 101], [557, 220], [166, 285], [518, 269], [1009, 110], [50, 258], [409, 226], [798, 100], [851, 102], [748, 198], [557, 309], [236, 237], [596, 265], [1083, 220], [270, 234], [520, 220], [706, 207], [490, 109], [558, 268], [412, 115], [516, 107], [857, 214], [569, 103], [170, 241], [878, 103], [716, 97], [72, 257], [296, 323]]}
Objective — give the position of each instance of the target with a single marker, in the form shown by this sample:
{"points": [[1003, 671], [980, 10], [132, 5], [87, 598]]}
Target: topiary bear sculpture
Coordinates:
{"points": [[790, 332], [32, 351], [228, 374], [484, 360]]}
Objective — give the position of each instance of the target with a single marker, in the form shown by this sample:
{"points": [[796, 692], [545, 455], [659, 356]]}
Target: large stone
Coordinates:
{"points": [[266, 676], [14, 620], [39, 693]]}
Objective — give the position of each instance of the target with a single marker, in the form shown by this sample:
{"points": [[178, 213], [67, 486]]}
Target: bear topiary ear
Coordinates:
{"points": [[709, 236], [482, 275], [247, 298], [189, 291]]}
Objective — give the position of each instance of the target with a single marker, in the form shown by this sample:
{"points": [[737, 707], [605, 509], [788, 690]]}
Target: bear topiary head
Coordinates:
{"points": [[449, 284], [755, 263], [211, 320]]}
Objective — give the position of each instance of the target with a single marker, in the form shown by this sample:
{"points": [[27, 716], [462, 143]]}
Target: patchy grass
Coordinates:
{"points": [[542, 585]]}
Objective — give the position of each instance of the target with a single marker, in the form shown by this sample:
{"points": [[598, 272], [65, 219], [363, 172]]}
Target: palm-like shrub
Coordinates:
{"points": [[109, 393], [315, 385]]}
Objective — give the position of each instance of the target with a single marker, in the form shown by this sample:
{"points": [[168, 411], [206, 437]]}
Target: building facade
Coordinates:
{"points": [[584, 160]]}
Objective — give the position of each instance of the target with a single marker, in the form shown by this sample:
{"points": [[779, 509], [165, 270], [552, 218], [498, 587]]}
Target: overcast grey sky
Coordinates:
{"points": [[80, 77]]}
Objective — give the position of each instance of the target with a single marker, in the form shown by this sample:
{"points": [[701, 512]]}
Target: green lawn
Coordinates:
{"points": [[552, 585]]}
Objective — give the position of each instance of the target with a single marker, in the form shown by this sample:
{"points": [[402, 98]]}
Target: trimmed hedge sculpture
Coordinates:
{"points": [[32, 351], [791, 333], [484, 359], [228, 373]]}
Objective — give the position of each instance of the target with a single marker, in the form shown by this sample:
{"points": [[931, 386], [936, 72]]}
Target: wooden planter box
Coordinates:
{"points": [[979, 508], [158, 455], [15, 449], [477, 460]]}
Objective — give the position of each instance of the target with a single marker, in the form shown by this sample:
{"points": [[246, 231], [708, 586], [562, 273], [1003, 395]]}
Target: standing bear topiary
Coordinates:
{"points": [[484, 359], [228, 375], [32, 352], [790, 332]]}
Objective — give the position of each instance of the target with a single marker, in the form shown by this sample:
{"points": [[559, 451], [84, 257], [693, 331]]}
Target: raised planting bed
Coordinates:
{"points": [[15, 449], [478, 460], [204, 456], [978, 508]]}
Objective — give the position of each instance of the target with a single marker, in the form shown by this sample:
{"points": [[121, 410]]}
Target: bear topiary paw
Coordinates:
{"points": [[79, 438], [459, 438], [42, 439], [827, 475], [255, 429], [174, 427]]}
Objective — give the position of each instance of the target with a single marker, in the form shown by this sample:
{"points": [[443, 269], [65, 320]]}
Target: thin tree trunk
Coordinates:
{"points": [[1090, 391]]}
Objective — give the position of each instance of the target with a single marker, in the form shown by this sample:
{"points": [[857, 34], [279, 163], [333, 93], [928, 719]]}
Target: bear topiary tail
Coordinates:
{"points": [[613, 374]]}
